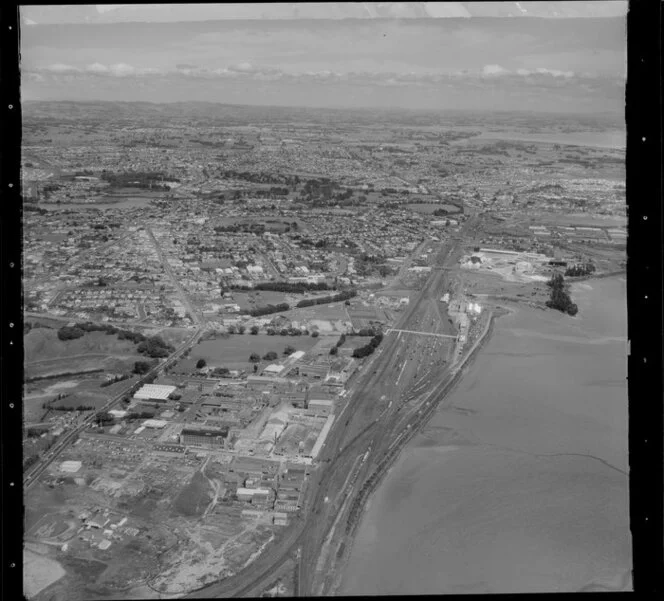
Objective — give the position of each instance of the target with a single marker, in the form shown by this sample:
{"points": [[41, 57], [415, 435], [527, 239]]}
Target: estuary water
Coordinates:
{"points": [[519, 483]]}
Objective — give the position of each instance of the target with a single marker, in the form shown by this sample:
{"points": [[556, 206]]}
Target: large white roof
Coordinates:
{"points": [[71, 466], [154, 391]]}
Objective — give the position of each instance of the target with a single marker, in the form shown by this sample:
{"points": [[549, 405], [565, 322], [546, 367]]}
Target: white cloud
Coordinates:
{"points": [[122, 70], [554, 72], [97, 68], [243, 67], [494, 70], [61, 68]]}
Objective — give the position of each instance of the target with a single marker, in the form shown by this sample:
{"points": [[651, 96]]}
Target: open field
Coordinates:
{"points": [[194, 498], [39, 572], [233, 351], [43, 343]]}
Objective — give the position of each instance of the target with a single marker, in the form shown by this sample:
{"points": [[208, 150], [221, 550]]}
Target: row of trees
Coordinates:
{"points": [[560, 299], [80, 329], [335, 349], [267, 310], [368, 349], [292, 287], [271, 355], [342, 296]]}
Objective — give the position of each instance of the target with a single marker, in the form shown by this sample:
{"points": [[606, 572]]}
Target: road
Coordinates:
{"points": [[65, 440], [195, 317], [366, 423]]}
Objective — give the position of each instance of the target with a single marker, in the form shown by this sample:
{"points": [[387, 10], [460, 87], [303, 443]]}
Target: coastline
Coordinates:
{"points": [[457, 374], [479, 435]]}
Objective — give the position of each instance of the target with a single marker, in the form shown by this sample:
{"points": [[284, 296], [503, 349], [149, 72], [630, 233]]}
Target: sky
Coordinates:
{"points": [[574, 64]]}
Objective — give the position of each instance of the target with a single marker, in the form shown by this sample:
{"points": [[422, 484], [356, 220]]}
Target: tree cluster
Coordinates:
{"points": [[580, 270], [102, 418], [259, 311], [292, 287], [138, 179], [368, 349], [560, 299], [155, 347], [141, 367], [286, 332]]}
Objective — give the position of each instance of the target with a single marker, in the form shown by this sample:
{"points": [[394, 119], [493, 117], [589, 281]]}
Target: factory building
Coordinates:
{"points": [[204, 437], [154, 392], [315, 371]]}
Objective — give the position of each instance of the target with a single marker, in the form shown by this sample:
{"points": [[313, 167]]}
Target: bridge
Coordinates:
{"points": [[422, 333]]}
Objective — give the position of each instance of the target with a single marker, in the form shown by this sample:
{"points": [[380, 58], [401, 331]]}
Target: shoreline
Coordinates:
{"points": [[457, 373]]}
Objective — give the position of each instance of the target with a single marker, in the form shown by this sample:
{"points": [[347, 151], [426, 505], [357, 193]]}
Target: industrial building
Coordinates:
{"points": [[249, 494], [315, 371], [154, 392], [70, 467], [274, 369], [204, 437]]}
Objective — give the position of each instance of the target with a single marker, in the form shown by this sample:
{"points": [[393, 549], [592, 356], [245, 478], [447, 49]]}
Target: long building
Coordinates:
{"points": [[208, 437]]}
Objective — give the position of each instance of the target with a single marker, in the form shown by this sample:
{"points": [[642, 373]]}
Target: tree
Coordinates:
{"points": [[103, 418], [241, 329], [201, 363], [231, 329], [289, 350], [254, 330], [314, 334], [141, 367], [270, 356], [254, 357]]}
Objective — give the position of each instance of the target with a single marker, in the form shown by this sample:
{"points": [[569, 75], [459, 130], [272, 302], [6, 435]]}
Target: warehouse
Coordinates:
{"points": [[198, 437], [318, 406], [154, 392], [70, 466], [248, 494]]}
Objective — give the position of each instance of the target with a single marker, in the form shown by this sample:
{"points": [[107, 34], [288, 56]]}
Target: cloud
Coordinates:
{"points": [[554, 72], [494, 70], [520, 79], [62, 68], [97, 68], [242, 67]]}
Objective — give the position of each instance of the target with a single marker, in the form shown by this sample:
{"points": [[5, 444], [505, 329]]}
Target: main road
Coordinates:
{"points": [[360, 429], [195, 317]]}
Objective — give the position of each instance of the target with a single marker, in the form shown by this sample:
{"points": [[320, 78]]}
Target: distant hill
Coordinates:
{"points": [[153, 114]]}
